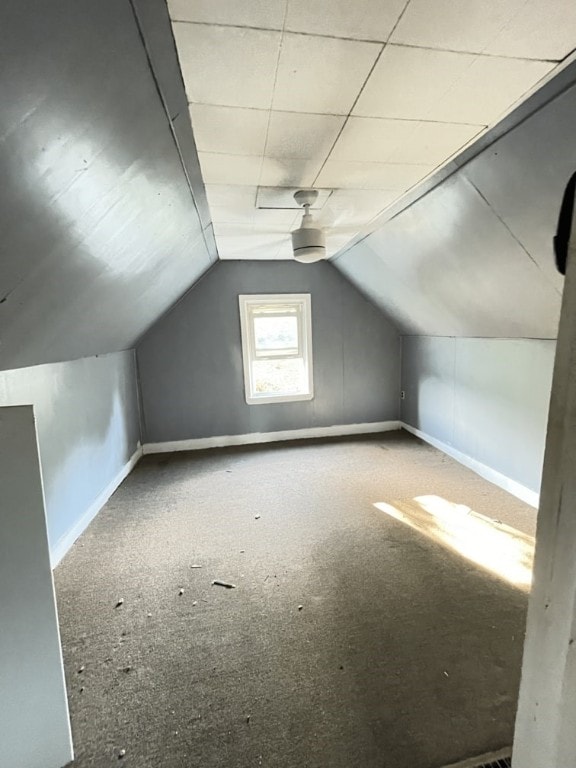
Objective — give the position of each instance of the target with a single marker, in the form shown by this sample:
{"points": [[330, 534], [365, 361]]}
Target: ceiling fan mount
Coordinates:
{"points": [[309, 241]]}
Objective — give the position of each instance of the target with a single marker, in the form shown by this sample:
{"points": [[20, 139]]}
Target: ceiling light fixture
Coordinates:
{"points": [[308, 242]]}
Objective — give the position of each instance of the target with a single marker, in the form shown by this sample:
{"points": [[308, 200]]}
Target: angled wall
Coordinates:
{"points": [[486, 399], [473, 256], [190, 363], [103, 221], [467, 272], [88, 429]]}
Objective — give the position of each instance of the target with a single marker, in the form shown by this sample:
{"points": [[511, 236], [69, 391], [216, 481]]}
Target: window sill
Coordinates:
{"points": [[269, 399]]}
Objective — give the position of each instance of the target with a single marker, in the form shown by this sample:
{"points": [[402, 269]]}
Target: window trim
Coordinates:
{"points": [[245, 301]]}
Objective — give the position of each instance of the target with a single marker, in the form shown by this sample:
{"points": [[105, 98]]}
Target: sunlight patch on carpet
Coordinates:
{"points": [[492, 545]]}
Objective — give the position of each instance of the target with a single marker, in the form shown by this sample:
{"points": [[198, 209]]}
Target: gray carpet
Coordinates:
{"points": [[403, 655]]}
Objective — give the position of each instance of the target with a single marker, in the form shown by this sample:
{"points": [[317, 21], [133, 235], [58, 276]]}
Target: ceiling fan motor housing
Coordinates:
{"points": [[309, 241]]}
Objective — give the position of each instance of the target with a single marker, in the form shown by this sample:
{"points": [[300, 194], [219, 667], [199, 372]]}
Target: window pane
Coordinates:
{"points": [[287, 376], [273, 333]]}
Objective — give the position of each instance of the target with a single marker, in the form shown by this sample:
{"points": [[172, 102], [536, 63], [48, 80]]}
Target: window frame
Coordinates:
{"points": [[303, 302]]}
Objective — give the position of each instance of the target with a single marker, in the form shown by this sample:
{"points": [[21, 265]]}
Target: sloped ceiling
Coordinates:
{"points": [[101, 228], [474, 257], [364, 99], [104, 221]]}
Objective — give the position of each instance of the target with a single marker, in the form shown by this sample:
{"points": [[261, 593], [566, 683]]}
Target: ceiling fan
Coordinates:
{"points": [[309, 240], [318, 236]]}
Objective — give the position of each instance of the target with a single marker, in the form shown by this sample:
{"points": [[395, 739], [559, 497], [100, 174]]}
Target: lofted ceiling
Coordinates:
{"points": [[104, 221], [362, 99], [101, 227], [474, 256]]}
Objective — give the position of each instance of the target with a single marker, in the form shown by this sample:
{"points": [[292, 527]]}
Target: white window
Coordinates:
{"points": [[276, 347]]}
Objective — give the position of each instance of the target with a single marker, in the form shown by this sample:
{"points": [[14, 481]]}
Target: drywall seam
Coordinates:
{"points": [[222, 441], [139, 398], [160, 93], [506, 483], [65, 542]]}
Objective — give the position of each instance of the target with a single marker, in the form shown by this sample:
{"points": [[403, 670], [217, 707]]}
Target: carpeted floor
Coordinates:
{"points": [[404, 654]]}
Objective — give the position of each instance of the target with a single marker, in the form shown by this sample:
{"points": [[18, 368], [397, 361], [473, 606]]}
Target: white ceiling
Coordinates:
{"points": [[364, 98]]}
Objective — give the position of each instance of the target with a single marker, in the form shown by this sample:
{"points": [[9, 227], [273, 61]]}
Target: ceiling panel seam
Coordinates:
{"points": [[334, 114], [472, 53], [375, 41], [293, 52], [270, 108], [170, 123], [557, 83], [280, 29], [384, 44]]}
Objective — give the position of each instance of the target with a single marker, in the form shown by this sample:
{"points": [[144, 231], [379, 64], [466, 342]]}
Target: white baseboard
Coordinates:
{"points": [[516, 489], [222, 441], [65, 542]]}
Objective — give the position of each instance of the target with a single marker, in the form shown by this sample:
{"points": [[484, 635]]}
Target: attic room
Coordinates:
{"points": [[287, 383]]}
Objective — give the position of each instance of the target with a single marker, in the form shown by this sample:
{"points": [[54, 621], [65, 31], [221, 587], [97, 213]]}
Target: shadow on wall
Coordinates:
{"points": [[88, 428], [488, 398], [95, 206]]}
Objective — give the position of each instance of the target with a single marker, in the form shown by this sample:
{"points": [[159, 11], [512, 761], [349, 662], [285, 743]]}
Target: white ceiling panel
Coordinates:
{"points": [[300, 135], [475, 99], [433, 143], [236, 243], [272, 84], [354, 201], [371, 175], [244, 213], [456, 25], [364, 19], [531, 29], [366, 139], [418, 83], [268, 14], [229, 66], [542, 29], [407, 82], [283, 197], [278, 172], [225, 196], [230, 130], [321, 74], [232, 214], [344, 221], [230, 169], [356, 207], [276, 220], [372, 140]]}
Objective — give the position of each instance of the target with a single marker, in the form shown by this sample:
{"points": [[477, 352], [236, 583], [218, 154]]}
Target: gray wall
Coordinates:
{"points": [[488, 398], [34, 725], [88, 427], [473, 257], [190, 363], [103, 216]]}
